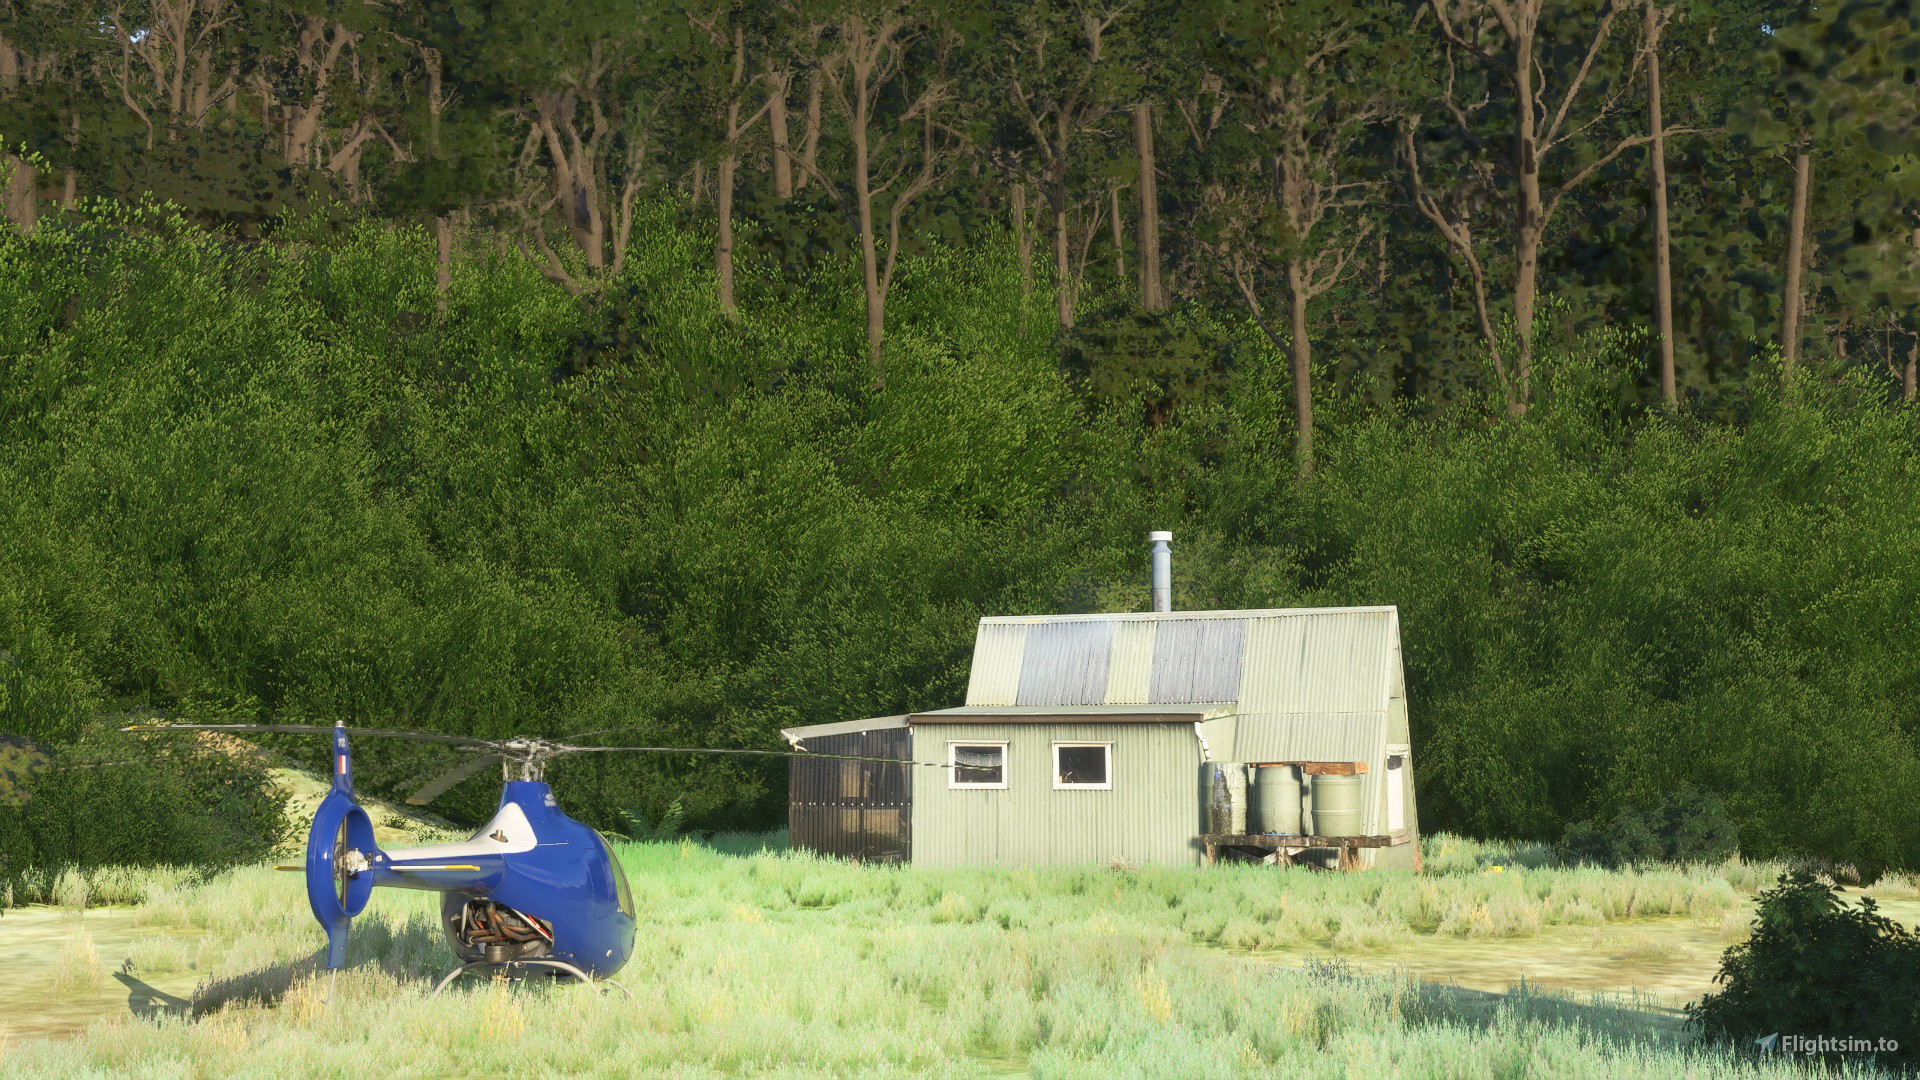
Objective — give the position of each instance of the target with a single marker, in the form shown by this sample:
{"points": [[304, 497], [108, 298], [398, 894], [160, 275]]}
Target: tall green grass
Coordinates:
{"points": [[77, 888], [778, 963]]}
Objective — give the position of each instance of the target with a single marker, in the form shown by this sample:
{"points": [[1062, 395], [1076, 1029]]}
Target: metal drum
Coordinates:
{"points": [[1337, 809], [1276, 799]]}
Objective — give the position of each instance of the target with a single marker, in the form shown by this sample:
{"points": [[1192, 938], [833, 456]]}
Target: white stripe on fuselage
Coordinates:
{"points": [[510, 821]]}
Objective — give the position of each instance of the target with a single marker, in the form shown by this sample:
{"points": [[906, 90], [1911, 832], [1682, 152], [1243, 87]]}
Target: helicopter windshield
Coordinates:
{"points": [[620, 886]]}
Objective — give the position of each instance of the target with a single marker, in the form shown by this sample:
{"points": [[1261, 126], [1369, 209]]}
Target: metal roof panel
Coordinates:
{"points": [[994, 678], [1197, 660], [793, 735], [1130, 669], [1065, 664]]}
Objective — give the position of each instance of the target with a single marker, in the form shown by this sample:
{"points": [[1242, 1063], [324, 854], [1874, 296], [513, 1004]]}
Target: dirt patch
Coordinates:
{"points": [[50, 987], [1666, 961], [1663, 962]]}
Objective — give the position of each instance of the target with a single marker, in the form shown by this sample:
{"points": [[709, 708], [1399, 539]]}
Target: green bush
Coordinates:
{"points": [[1816, 966], [111, 799], [1686, 826], [668, 826]]}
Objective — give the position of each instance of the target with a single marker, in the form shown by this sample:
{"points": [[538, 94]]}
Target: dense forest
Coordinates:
{"points": [[704, 369]]}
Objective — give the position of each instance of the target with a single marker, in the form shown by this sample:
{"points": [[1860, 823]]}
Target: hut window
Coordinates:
{"points": [[977, 765], [1082, 765]]}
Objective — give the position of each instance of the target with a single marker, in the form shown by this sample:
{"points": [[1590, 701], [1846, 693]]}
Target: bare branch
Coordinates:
{"points": [[623, 212], [1459, 235], [1461, 118], [1502, 12], [1318, 285], [1453, 37], [1242, 277], [1580, 76], [1189, 110], [1619, 148], [551, 268]]}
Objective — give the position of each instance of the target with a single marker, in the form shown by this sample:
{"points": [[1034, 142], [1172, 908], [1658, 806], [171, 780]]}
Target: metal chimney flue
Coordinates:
{"points": [[1162, 571]]}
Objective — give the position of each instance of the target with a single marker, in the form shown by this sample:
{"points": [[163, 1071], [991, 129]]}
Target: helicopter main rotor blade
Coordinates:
{"points": [[440, 784], [317, 729], [761, 753]]}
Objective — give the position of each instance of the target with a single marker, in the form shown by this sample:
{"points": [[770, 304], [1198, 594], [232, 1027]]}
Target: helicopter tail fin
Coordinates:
{"points": [[342, 761]]}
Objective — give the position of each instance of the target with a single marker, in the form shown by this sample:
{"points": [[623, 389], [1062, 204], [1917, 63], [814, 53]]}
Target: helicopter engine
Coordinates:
{"points": [[481, 929]]}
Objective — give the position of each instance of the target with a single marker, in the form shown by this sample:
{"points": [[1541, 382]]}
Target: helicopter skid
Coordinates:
{"points": [[499, 969]]}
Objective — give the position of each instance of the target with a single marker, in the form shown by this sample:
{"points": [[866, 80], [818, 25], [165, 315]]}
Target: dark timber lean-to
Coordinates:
{"points": [[856, 809]]}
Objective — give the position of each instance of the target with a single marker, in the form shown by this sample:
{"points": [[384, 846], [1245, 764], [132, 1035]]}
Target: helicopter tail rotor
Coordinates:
{"points": [[341, 851]]}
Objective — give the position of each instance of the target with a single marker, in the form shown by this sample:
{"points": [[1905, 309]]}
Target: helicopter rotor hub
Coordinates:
{"points": [[526, 759]]}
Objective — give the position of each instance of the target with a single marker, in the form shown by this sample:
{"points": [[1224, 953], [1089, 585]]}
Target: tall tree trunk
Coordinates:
{"points": [[1662, 248], [729, 162], [574, 178], [18, 199], [1152, 297], [1527, 223], [1062, 262], [810, 134], [1119, 247], [1023, 236], [1908, 386], [869, 255], [71, 189], [1796, 258], [1302, 349], [723, 241], [303, 123], [443, 262], [778, 86], [22, 195]]}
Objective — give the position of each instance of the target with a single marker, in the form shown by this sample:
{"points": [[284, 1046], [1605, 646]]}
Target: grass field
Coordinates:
{"points": [[765, 962]]}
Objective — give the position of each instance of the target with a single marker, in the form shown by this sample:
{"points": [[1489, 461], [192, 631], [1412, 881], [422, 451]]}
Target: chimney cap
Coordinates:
{"points": [[1159, 535]]}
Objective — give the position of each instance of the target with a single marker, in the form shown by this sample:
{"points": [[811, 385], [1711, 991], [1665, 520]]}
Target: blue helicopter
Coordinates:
{"points": [[532, 888]]}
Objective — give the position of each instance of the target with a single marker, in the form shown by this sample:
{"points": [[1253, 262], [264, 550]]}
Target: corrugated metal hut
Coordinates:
{"points": [[1092, 738]]}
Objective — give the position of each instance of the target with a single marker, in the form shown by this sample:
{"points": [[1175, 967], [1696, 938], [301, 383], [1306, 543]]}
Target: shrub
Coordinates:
{"points": [[671, 823], [195, 804], [1819, 967], [1687, 826]]}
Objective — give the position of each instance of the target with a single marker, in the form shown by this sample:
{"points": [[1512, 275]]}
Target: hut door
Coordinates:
{"points": [[1396, 780]]}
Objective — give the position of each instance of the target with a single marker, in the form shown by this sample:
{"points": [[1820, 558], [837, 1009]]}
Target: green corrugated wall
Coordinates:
{"points": [[1152, 814]]}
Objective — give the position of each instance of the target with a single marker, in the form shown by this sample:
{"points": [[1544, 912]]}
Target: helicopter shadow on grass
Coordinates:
{"points": [[413, 951], [1629, 1020], [148, 1002]]}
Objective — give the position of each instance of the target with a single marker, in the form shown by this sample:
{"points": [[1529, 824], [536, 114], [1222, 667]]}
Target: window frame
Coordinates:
{"points": [[1058, 744], [953, 765]]}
